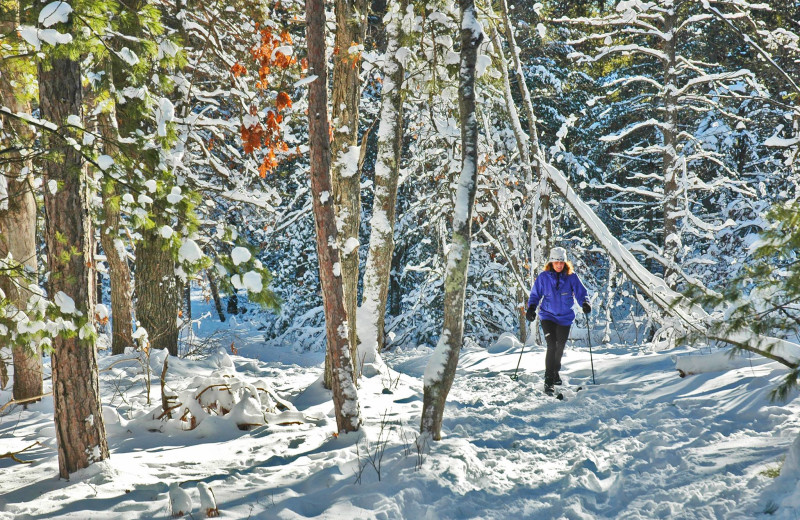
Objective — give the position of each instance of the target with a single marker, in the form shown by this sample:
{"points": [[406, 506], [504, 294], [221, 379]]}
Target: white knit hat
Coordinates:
{"points": [[558, 254]]}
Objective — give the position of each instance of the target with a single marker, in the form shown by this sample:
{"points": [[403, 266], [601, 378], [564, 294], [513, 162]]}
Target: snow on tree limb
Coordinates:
{"points": [[671, 302]]}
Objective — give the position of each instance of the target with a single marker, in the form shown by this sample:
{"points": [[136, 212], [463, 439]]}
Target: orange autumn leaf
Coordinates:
{"points": [[238, 69], [283, 101]]}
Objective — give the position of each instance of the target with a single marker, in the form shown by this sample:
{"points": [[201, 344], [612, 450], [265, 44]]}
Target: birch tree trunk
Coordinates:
{"points": [[345, 397], [18, 217], [118, 269], [671, 163], [372, 313], [351, 26], [441, 368], [80, 430]]}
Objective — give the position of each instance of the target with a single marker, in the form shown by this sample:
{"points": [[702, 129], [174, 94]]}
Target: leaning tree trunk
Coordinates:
{"points": [[18, 217], [351, 25], [387, 172], [441, 369], [345, 397], [157, 293], [671, 164], [80, 430], [119, 271]]}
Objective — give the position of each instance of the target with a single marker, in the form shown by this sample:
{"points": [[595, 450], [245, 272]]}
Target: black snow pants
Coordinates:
{"points": [[556, 337]]}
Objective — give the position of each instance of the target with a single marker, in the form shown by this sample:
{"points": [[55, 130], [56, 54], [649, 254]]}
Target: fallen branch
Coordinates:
{"points": [[13, 454], [23, 401]]}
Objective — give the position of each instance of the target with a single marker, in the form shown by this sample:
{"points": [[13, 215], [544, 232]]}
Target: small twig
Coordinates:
{"points": [[13, 454], [22, 401]]}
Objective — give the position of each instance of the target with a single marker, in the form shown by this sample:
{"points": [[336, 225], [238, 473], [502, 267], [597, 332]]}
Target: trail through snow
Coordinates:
{"points": [[640, 444]]}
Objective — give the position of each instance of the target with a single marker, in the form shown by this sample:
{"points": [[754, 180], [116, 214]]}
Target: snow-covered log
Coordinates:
{"points": [[671, 302]]}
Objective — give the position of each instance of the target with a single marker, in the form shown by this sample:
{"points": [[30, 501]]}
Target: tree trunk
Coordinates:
{"points": [[387, 172], [18, 219], [157, 293], [351, 25], [119, 271], [80, 430], [671, 167], [441, 369], [212, 282], [345, 397]]}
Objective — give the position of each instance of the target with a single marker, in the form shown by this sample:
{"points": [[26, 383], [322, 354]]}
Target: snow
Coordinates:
{"points": [[189, 251], [165, 112], [35, 36], [641, 443], [105, 162], [252, 281], [65, 303], [240, 255], [305, 81], [55, 12], [348, 161], [165, 231]]}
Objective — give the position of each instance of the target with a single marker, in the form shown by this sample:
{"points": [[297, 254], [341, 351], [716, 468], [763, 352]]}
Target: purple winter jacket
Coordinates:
{"points": [[553, 294]]}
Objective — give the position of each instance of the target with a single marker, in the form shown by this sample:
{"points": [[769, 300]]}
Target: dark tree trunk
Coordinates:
{"points": [[18, 219], [212, 282], [345, 398], [80, 430], [441, 369], [157, 294], [119, 271]]}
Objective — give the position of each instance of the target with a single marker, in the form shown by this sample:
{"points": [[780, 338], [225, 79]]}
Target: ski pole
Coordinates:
{"points": [[514, 377], [589, 340]]}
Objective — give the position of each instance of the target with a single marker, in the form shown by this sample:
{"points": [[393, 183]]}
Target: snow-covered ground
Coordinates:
{"points": [[640, 443]]}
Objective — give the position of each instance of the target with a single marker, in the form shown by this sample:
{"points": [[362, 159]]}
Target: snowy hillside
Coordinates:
{"points": [[641, 443]]}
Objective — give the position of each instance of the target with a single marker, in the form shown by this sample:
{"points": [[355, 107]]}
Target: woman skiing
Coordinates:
{"points": [[553, 293]]}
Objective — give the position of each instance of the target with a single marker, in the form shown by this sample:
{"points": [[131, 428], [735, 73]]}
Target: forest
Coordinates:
{"points": [[301, 200]]}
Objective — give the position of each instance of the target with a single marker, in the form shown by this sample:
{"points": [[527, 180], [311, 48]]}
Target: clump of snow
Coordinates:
{"points": [[55, 12], [105, 162], [189, 251], [165, 112], [65, 303], [166, 231], [174, 196], [101, 311], [240, 255], [252, 281]]}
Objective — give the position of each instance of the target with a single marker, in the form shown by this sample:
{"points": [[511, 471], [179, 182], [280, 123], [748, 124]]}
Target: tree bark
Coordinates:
{"points": [[387, 173], [80, 430], [157, 293], [212, 282], [345, 397], [119, 271], [351, 26], [671, 165], [18, 219], [441, 369]]}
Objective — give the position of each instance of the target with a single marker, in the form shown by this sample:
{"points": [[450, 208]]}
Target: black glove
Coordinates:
{"points": [[586, 308], [530, 314]]}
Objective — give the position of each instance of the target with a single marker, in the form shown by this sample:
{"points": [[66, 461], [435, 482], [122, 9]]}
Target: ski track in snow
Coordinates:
{"points": [[640, 444]]}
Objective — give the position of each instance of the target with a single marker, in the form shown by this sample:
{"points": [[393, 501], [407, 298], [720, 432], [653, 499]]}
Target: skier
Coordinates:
{"points": [[555, 288]]}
